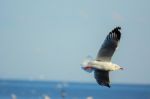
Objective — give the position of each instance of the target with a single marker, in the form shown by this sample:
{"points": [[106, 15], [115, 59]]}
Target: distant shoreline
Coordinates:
{"points": [[70, 82]]}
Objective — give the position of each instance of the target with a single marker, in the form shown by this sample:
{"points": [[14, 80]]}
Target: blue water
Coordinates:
{"points": [[17, 89]]}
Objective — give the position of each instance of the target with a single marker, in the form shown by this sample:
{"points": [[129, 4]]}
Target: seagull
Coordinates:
{"points": [[102, 65]]}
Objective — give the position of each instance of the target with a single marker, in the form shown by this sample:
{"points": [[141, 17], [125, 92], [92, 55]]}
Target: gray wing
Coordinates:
{"points": [[102, 77], [109, 46]]}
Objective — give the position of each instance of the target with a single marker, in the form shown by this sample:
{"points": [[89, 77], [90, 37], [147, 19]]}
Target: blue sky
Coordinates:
{"points": [[48, 39]]}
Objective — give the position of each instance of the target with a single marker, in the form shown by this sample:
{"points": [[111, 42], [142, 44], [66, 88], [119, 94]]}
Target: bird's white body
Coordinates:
{"points": [[107, 66], [89, 66]]}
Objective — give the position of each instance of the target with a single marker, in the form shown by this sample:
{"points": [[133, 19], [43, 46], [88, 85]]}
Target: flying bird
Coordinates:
{"points": [[102, 65]]}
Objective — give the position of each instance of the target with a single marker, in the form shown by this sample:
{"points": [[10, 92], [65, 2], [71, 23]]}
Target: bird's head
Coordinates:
{"points": [[117, 67]]}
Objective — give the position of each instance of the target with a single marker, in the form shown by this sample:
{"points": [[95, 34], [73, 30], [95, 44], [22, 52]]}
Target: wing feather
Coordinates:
{"points": [[102, 77], [109, 46]]}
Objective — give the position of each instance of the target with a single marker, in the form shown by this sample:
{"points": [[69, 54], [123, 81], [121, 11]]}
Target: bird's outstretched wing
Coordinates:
{"points": [[102, 77], [109, 46]]}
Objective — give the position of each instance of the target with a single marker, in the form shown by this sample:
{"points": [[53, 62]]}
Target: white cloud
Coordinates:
{"points": [[117, 16]]}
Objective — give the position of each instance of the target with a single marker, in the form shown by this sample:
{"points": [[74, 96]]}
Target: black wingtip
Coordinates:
{"points": [[117, 29], [117, 32], [108, 86], [104, 84]]}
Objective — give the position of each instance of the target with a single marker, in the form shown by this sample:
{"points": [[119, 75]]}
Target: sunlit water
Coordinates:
{"points": [[14, 89]]}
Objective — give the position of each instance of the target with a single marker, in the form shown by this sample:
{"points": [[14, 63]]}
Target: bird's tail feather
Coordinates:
{"points": [[87, 60], [86, 64]]}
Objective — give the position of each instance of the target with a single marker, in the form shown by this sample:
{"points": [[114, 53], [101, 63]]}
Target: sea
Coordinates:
{"points": [[30, 89]]}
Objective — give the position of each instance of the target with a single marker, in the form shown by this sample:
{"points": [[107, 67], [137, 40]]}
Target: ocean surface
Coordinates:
{"points": [[21, 89]]}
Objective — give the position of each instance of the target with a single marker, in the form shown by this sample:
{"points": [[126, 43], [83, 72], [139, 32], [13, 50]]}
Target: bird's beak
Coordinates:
{"points": [[121, 68]]}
